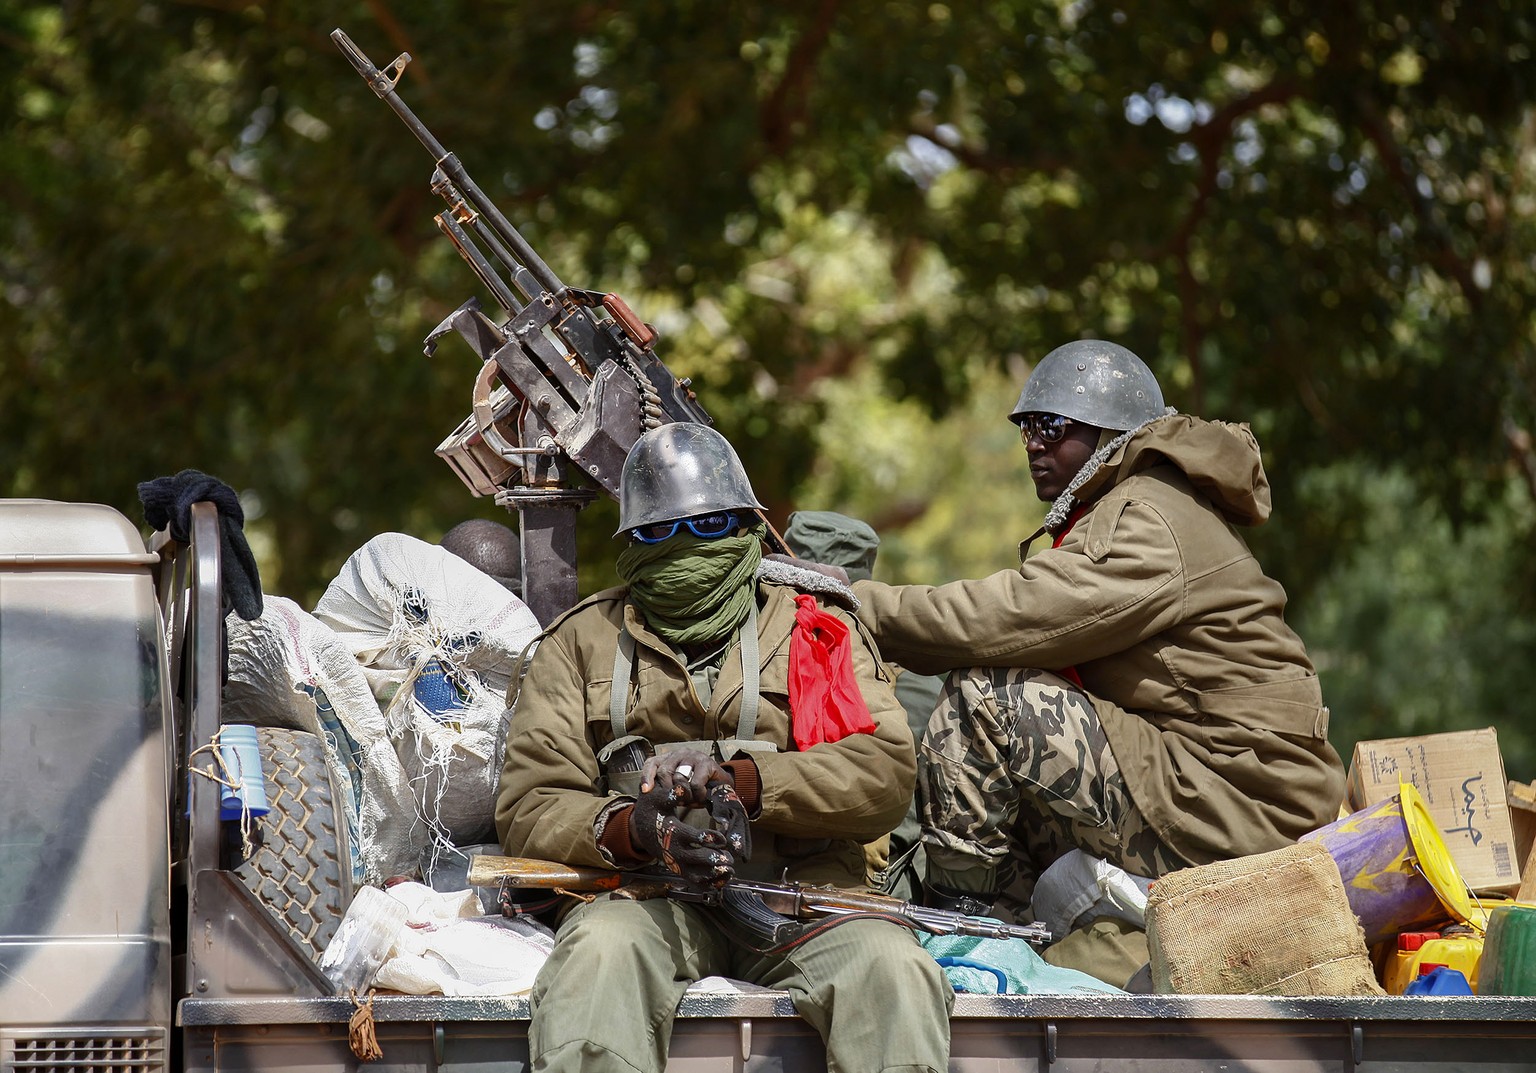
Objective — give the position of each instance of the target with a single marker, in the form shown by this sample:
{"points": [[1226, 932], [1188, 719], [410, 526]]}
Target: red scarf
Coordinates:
{"points": [[824, 699]]}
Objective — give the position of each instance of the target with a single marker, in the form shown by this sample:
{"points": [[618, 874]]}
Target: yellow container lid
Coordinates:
{"points": [[1434, 862]]}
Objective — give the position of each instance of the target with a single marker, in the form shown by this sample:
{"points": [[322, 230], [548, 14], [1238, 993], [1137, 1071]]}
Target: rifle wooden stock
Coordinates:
{"points": [[488, 870], [809, 901]]}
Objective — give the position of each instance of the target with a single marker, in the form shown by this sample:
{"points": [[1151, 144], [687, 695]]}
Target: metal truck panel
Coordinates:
{"points": [[84, 858], [1060, 1033], [42, 530]]}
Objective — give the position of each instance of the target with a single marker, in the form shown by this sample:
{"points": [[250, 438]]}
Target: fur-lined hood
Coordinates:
{"points": [[1220, 458]]}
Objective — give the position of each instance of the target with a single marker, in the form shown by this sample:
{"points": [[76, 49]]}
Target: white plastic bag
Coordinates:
{"points": [[445, 948], [364, 940]]}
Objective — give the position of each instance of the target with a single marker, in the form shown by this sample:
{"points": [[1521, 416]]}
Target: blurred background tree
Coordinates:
{"points": [[857, 224]]}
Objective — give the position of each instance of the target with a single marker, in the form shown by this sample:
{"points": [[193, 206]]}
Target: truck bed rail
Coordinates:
{"points": [[993, 1033]]}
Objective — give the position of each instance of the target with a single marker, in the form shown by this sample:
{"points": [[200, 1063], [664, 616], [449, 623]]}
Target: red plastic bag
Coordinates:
{"points": [[824, 699]]}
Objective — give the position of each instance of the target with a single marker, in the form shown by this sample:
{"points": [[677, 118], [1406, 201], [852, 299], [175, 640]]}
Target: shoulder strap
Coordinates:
{"points": [[618, 697], [746, 723], [624, 659]]}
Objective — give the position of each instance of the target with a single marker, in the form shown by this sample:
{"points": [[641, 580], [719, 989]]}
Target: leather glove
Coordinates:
{"points": [[705, 785], [701, 857]]}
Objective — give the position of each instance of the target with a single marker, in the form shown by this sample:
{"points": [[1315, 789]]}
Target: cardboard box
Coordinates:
{"points": [[1461, 778], [1527, 892]]}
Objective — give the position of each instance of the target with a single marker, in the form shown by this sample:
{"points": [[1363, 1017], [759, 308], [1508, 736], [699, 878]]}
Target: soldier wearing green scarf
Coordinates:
{"points": [[655, 729]]}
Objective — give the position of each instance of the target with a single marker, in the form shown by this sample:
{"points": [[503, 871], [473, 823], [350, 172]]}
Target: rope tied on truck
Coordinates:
{"points": [[231, 781], [362, 1033]]}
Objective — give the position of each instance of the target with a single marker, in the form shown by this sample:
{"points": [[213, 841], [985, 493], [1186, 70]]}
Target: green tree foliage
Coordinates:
{"points": [[218, 252], [1412, 629]]}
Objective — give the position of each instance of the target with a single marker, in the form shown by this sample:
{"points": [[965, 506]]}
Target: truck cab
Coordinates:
{"points": [[85, 917]]}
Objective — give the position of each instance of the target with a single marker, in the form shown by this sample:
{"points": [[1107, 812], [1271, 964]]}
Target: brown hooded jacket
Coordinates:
{"points": [[1209, 700]]}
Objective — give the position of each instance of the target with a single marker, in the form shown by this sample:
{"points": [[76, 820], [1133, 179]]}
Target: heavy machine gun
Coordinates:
{"points": [[568, 379]]}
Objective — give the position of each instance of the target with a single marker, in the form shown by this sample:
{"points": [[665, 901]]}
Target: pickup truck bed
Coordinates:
{"points": [[207, 979]]}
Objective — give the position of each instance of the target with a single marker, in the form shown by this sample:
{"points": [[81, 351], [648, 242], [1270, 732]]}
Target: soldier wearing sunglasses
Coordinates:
{"points": [[1132, 690], [666, 724]]}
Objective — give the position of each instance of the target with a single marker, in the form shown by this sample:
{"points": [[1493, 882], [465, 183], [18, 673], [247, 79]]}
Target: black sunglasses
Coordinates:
{"points": [[705, 526], [1047, 428]]}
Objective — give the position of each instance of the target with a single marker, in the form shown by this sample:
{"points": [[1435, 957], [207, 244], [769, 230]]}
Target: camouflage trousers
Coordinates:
{"points": [[1013, 772]]}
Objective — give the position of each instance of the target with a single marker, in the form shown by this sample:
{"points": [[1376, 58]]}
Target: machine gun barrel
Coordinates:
{"points": [[382, 82], [482, 268], [569, 380]]}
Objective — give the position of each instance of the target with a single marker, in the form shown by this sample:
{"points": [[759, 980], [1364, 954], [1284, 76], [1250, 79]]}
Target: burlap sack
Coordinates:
{"points": [[1271, 924]]}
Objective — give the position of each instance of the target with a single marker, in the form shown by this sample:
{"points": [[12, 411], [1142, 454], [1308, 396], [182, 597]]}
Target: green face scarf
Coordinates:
{"points": [[691, 590]]}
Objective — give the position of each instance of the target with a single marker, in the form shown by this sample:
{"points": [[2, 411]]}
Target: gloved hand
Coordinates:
{"points": [[686, 779], [701, 857], [730, 818], [687, 771], [707, 785]]}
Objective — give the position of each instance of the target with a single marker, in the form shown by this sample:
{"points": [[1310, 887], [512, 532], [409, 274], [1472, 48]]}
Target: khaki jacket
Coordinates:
{"points": [[816, 807], [1207, 697]]}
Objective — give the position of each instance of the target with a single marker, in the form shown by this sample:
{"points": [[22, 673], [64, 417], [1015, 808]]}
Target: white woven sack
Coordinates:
{"points": [[408, 609], [397, 594], [287, 669]]}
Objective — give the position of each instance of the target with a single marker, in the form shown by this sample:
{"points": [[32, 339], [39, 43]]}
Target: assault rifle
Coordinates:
{"points": [[568, 379], [771, 912]]}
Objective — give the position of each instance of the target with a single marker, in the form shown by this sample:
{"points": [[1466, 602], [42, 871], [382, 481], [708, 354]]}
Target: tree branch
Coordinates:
{"points": [[986, 163], [1210, 141], [1519, 441], [400, 39], [786, 105], [1396, 163]]}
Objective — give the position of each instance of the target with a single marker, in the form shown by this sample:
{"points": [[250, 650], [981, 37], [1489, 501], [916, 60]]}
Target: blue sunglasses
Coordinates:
{"points": [[705, 527]]}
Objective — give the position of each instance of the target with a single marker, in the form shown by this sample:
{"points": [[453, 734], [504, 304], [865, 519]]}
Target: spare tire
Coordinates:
{"points": [[302, 871]]}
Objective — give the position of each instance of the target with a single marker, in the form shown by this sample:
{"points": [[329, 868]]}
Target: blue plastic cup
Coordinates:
{"points": [[247, 792]]}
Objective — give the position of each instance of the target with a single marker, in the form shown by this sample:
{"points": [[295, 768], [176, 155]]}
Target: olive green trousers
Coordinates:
{"points": [[606, 997]]}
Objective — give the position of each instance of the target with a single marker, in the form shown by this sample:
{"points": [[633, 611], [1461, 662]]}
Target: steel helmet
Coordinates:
{"points": [[1098, 383], [681, 470]]}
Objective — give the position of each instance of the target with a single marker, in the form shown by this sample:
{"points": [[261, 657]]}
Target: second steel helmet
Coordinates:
{"points": [[681, 470], [1094, 382]]}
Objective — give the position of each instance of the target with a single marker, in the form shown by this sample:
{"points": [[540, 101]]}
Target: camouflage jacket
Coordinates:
{"points": [[816, 806], [1208, 698]]}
